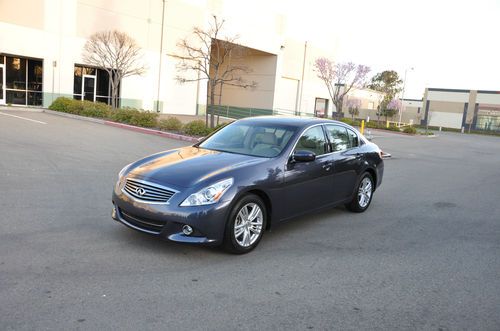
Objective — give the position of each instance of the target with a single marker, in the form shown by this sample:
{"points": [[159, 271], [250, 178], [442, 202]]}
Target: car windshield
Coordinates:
{"points": [[263, 140]]}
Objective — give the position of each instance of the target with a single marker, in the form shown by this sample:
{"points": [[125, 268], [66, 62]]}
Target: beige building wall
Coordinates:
{"points": [[463, 108], [370, 100], [262, 72], [446, 113], [298, 86], [445, 108], [27, 13]]}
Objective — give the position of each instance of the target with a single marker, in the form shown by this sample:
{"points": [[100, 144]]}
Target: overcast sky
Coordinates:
{"points": [[450, 44]]}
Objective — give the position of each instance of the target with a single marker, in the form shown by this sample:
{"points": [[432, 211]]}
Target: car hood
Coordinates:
{"points": [[188, 166]]}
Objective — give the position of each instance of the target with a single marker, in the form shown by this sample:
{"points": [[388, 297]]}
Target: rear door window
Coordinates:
{"points": [[353, 138], [312, 140], [338, 137]]}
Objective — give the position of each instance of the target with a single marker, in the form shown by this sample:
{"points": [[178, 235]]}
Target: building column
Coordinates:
{"points": [[471, 109]]}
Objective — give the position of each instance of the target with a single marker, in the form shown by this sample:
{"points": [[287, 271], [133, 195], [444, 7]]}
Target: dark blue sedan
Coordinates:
{"points": [[246, 177]]}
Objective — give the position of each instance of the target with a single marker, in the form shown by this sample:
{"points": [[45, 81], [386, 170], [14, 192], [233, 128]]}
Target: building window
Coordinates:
{"points": [[320, 107], [23, 80], [92, 84]]}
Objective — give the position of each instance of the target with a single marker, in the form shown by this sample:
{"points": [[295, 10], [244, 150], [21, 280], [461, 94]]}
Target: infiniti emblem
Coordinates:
{"points": [[140, 191]]}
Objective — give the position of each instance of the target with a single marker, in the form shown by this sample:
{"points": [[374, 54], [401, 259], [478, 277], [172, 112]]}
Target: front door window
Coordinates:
{"points": [[88, 88]]}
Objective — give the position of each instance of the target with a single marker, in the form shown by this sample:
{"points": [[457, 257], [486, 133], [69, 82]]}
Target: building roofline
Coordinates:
{"points": [[461, 91], [488, 92], [406, 99], [447, 90]]}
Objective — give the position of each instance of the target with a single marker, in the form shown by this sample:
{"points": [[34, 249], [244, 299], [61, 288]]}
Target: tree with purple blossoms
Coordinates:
{"points": [[392, 108], [353, 106], [340, 78]]}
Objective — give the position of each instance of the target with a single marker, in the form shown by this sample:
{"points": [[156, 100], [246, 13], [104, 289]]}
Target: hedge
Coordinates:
{"points": [[196, 128], [170, 124], [130, 116]]}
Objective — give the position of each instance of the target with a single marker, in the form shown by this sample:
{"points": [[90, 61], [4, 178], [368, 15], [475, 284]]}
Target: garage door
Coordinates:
{"points": [[446, 120]]}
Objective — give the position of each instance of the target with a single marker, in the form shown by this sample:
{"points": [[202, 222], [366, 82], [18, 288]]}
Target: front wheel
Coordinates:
{"points": [[245, 225], [363, 194]]}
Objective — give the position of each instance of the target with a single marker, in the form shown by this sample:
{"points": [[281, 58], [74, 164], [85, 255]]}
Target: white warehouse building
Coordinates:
{"points": [[41, 44]]}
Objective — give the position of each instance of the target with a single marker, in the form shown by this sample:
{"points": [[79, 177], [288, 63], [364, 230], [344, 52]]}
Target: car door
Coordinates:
{"points": [[307, 183], [346, 161]]}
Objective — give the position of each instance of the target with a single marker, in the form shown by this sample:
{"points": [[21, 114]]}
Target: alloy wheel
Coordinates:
{"points": [[248, 224], [365, 192]]}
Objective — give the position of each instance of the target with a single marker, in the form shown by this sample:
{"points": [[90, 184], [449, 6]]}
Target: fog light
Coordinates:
{"points": [[187, 230], [113, 213]]}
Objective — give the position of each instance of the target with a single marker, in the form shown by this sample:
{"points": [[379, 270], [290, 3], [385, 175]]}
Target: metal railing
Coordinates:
{"points": [[241, 112]]}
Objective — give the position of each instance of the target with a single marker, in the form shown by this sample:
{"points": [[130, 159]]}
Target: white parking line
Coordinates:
{"points": [[23, 118]]}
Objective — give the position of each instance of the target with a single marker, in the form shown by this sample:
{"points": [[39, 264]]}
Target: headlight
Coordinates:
{"points": [[208, 195], [120, 174]]}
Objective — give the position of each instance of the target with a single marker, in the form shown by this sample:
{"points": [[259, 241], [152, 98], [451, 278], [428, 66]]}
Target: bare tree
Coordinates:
{"points": [[118, 54], [340, 78], [213, 59]]}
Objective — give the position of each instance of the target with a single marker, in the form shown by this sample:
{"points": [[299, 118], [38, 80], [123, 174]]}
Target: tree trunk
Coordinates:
{"points": [[338, 107], [220, 102], [112, 92], [207, 103], [212, 103]]}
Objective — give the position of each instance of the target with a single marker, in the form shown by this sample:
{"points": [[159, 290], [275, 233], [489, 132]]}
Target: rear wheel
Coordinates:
{"points": [[363, 194], [245, 225]]}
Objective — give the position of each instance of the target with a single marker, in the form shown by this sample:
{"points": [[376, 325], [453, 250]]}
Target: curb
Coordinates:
{"points": [[21, 108], [134, 128], [399, 133], [151, 131], [75, 117]]}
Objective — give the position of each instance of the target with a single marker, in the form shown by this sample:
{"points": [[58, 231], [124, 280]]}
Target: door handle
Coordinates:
{"points": [[327, 166]]}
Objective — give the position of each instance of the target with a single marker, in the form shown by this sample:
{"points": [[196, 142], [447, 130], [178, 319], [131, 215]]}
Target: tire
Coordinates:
{"points": [[363, 194], [242, 233]]}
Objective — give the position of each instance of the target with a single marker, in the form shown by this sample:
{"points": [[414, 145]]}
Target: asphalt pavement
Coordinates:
{"points": [[425, 256]]}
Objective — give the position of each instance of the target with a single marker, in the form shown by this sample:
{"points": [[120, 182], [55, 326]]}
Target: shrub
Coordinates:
{"points": [[374, 125], [350, 121], [123, 115], [146, 119], [81, 107], [133, 116], [410, 130], [61, 104], [196, 128], [392, 128], [170, 123], [93, 109]]}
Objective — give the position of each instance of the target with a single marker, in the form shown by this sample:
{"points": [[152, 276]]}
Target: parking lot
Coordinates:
{"points": [[426, 255]]}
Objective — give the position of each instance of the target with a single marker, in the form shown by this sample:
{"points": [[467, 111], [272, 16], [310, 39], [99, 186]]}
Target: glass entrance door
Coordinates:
{"points": [[2, 84], [88, 88]]}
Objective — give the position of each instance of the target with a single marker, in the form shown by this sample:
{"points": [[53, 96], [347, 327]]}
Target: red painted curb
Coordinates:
{"points": [[152, 131]]}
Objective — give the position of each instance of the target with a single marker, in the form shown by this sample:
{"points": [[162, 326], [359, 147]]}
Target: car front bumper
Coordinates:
{"points": [[166, 220]]}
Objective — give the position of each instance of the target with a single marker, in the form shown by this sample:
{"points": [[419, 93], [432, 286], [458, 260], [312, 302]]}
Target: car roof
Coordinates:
{"points": [[295, 121]]}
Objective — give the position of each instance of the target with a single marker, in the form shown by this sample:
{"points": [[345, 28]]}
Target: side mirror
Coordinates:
{"points": [[303, 156]]}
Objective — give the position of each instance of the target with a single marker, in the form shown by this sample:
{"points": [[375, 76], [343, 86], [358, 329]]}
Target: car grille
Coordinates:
{"points": [[142, 223], [148, 192]]}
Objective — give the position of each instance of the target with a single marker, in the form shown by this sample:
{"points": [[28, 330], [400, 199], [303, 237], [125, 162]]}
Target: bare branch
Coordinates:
{"points": [[117, 53], [213, 58]]}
